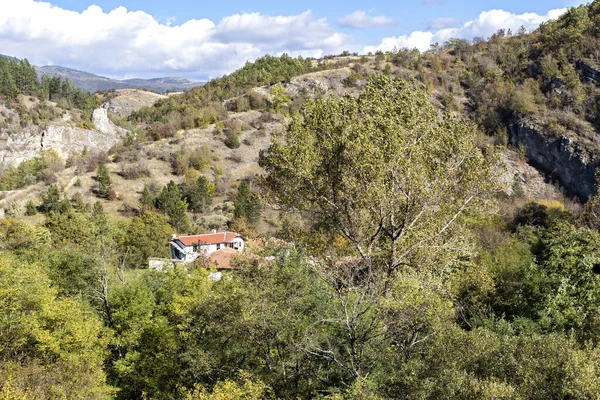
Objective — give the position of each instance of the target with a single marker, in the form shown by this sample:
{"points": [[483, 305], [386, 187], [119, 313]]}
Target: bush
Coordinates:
{"points": [[162, 131], [350, 81], [232, 139], [200, 158], [180, 162], [257, 100], [30, 208], [135, 171]]}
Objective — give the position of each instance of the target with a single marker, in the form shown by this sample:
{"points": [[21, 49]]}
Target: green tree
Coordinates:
{"points": [[247, 203], [147, 236], [104, 181], [147, 199], [200, 194], [50, 346], [279, 98], [51, 201], [384, 170], [171, 203], [30, 208], [394, 178]]}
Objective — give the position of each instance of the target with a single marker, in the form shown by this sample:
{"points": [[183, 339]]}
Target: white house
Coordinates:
{"points": [[189, 248]]}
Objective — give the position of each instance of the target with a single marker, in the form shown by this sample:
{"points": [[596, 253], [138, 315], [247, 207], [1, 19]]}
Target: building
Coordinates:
{"points": [[189, 248]]}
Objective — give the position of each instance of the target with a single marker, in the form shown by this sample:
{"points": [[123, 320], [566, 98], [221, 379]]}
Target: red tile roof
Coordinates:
{"points": [[209, 238]]}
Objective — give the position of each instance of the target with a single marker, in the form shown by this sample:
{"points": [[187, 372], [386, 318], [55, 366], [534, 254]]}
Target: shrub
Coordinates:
{"points": [[200, 158], [180, 162], [30, 208], [162, 131], [232, 140], [135, 171]]}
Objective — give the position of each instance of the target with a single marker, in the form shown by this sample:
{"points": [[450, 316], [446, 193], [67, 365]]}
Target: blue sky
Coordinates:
{"points": [[410, 15], [200, 40]]}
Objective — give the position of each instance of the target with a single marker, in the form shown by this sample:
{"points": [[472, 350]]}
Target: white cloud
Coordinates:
{"points": [[125, 43], [361, 19], [484, 25]]}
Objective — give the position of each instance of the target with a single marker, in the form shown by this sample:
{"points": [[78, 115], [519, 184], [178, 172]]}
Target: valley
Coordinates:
{"points": [[393, 224]]}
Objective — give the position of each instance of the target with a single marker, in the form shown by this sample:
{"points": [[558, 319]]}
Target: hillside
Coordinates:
{"points": [[418, 225]]}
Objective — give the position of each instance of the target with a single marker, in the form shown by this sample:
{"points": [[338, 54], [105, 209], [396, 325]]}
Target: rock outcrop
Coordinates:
{"points": [[589, 73], [60, 136], [105, 125], [571, 163]]}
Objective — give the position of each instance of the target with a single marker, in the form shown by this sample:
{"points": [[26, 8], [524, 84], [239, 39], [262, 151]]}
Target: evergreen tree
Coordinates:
{"points": [[171, 203], [51, 200], [517, 188], [200, 194], [98, 217], [146, 199], [104, 182], [247, 203], [30, 208], [8, 86]]}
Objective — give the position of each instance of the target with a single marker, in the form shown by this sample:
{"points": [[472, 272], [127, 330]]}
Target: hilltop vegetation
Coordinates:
{"points": [[519, 75], [19, 77], [388, 257], [203, 105]]}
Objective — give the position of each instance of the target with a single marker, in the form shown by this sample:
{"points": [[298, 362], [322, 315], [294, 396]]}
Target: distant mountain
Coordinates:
{"points": [[93, 83], [9, 57]]}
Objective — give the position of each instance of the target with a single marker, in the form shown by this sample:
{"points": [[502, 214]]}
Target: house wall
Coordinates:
{"points": [[239, 242], [208, 248]]}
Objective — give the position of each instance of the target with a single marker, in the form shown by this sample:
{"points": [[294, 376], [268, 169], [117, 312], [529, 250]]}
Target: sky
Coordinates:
{"points": [[200, 40]]}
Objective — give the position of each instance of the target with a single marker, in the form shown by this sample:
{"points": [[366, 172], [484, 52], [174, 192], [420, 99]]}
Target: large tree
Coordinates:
{"points": [[247, 203], [386, 170], [394, 177], [172, 204]]}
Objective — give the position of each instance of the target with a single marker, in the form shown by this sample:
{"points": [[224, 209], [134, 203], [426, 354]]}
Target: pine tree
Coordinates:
{"points": [[200, 194], [51, 200], [247, 203], [8, 86], [30, 208], [517, 188], [171, 203], [104, 182], [98, 217], [146, 199]]}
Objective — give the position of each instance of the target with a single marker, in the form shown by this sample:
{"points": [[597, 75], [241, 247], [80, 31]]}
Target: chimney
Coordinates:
{"points": [[173, 237], [213, 231]]}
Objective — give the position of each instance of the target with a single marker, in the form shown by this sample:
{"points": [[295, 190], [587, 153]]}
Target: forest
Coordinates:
{"points": [[394, 277], [18, 77], [400, 267]]}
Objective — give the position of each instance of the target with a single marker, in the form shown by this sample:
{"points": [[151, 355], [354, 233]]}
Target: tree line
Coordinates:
{"points": [[19, 77]]}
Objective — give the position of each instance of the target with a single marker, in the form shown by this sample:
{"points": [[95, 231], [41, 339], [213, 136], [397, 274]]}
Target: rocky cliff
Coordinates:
{"points": [[589, 73], [60, 136], [571, 163]]}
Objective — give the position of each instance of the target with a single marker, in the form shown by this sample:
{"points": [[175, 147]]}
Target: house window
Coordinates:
{"points": [[219, 246]]}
